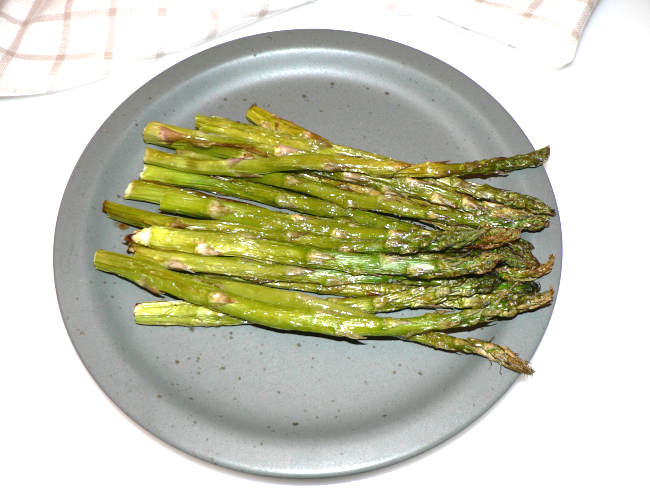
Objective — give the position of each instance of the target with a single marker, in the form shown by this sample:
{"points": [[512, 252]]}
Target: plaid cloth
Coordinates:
{"points": [[50, 45], [548, 30]]}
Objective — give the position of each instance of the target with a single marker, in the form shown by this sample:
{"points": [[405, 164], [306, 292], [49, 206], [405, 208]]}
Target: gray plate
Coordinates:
{"points": [[275, 403]]}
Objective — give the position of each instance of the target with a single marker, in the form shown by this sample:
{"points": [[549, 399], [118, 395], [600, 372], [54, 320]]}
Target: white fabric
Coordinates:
{"points": [[51, 45]]}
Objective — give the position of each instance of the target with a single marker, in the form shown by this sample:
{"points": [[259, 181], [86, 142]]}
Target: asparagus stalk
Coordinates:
{"points": [[246, 189], [268, 120], [185, 314], [356, 238], [467, 296], [239, 167], [524, 251], [252, 270], [344, 290], [482, 168], [436, 193], [493, 352], [323, 233], [166, 135], [263, 118], [492, 237], [257, 134], [455, 286], [356, 196], [214, 244], [184, 148], [186, 202], [510, 273], [497, 195], [142, 218], [178, 312], [285, 298], [196, 291], [518, 266], [270, 195]]}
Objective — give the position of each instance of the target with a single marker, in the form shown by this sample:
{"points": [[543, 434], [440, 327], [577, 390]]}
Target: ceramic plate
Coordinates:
{"points": [[276, 403]]}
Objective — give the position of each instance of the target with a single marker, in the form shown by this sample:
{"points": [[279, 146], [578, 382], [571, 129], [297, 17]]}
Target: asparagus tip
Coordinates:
{"points": [[502, 355]]}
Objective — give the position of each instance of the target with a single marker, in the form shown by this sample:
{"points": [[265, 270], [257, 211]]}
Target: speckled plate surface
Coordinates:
{"points": [[276, 403]]}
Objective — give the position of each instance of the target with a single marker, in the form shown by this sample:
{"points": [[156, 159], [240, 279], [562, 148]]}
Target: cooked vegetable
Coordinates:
{"points": [[357, 235]]}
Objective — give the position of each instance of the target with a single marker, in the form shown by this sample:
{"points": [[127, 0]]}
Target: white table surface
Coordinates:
{"points": [[581, 419]]}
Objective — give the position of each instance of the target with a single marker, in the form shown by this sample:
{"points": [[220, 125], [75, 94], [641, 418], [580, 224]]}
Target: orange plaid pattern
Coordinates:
{"points": [[49, 45]]}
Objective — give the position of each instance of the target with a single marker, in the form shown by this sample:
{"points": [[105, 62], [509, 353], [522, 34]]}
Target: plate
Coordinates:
{"points": [[274, 403]]}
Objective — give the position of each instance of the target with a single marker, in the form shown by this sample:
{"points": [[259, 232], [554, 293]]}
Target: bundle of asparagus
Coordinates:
{"points": [[358, 234]]}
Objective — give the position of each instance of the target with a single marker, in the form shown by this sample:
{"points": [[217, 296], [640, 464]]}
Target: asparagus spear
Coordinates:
{"points": [[187, 202], [346, 289], [494, 352], [268, 120], [175, 200], [214, 244], [252, 270], [270, 195], [178, 312], [263, 118], [143, 218], [356, 196], [185, 314], [448, 207], [285, 298], [437, 297], [256, 134], [524, 251], [246, 189], [292, 140], [492, 237], [498, 195], [159, 313], [239, 167], [518, 266], [510, 273], [185, 148], [456, 286], [436, 193], [216, 297], [483, 168], [166, 135], [194, 290]]}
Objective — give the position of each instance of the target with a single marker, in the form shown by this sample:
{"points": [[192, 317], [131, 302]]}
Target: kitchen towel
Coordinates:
{"points": [[51, 45]]}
